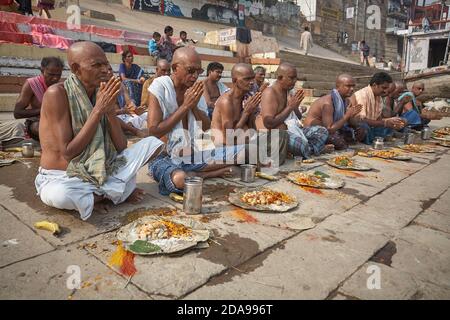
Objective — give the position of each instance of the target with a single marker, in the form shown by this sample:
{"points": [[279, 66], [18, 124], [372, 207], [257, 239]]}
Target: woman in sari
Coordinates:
{"points": [[132, 77]]}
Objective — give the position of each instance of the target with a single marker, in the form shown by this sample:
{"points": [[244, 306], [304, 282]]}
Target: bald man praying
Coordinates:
{"points": [[236, 108], [334, 112], [280, 111], [174, 111], [84, 156]]}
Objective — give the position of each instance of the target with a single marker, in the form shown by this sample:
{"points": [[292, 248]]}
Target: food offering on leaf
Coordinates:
{"points": [[266, 197], [157, 235], [443, 131], [441, 136], [348, 163], [317, 179], [385, 154], [162, 229], [416, 148], [343, 161], [263, 199]]}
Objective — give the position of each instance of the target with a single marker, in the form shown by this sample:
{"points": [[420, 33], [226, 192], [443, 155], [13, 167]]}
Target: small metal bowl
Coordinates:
{"points": [[28, 150]]}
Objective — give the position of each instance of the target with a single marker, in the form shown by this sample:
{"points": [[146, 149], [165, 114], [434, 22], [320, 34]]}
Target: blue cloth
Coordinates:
{"points": [[340, 107], [312, 142], [152, 46], [414, 101], [373, 132], [134, 88], [163, 166], [414, 119], [135, 72], [210, 113]]}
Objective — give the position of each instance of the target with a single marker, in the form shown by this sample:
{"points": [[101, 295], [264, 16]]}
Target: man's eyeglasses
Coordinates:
{"points": [[192, 70]]}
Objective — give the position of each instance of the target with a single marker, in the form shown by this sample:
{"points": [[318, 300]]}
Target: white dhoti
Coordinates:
{"points": [[58, 190], [139, 122], [11, 131]]}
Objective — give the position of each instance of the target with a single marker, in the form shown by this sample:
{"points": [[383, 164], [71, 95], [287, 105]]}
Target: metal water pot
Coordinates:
{"points": [[192, 198], [28, 150], [426, 133], [248, 173]]}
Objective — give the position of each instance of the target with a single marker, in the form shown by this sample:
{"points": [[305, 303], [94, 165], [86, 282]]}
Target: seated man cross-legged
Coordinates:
{"points": [[174, 110], [84, 156]]}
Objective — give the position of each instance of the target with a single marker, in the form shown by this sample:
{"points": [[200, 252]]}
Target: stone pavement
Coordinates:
{"points": [[389, 228]]}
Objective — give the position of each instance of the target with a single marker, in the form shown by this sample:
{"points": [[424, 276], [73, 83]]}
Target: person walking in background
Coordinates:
{"points": [[306, 41], [365, 52]]}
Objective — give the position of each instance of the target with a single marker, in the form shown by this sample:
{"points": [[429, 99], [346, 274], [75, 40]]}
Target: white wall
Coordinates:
{"points": [[308, 9]]}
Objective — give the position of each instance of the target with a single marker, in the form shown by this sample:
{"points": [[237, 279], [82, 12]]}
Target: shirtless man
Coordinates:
{"points": [[213, 88], [84, 157], [279, 110], [28, 105], [174, 110], [334, 111], [391, 108], [231, 112], [162, 69], [260, 75]]}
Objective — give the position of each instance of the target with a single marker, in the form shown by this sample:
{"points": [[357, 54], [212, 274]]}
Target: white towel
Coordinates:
{"points": [[164, 90]]}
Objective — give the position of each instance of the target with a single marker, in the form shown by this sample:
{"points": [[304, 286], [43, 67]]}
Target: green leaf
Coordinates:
{"points": [[140, 246], [321, 174]]}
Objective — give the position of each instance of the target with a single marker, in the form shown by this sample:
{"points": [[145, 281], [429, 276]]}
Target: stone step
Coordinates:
{"points": [[7, 101]]}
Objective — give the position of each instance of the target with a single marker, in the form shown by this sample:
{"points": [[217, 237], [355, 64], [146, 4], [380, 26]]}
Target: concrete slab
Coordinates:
{"points": [[423, 253], [18, 194], [442, 205], [313, 203], [27, 279], [434, 220], [429, 291], [18, 242], [176, 275], [394, 284], [308, 266]]}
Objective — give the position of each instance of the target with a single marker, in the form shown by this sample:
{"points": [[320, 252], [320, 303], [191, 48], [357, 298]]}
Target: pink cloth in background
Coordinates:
{"points": [[51, 41], [15, 37], [41, 28], [38, 86], [8, 27], [120, 48]]}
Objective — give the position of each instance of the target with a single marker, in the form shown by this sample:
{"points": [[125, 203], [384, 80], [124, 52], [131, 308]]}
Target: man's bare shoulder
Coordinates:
{"points": [[224, 100], [321, 102], [268, 91], [55, 97]]}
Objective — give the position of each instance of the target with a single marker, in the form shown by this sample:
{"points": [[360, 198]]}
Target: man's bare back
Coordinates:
{"points": [[55, 109], [315, 113], [275, 101], [227, 115]]}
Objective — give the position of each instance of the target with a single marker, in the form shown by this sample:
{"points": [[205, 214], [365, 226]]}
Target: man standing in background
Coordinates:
{"points": [[306, 41]]}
